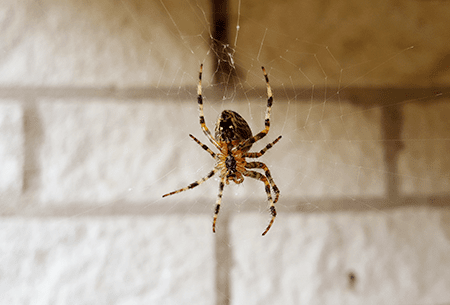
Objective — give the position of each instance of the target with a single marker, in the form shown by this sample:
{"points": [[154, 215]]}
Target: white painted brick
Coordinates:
{"points": [[328, 150], [101, 43], [104, 150], [397, 257], [424, 163], [11, 151], [161, 43], [107, 260], [309, 42]]}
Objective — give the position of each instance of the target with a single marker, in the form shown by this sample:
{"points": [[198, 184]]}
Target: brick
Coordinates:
{"points": [[106, 150], [156, 43], [100, 43], [11, 151], [398, 256], [327, 150], [424, 165], [347, 42], [111, 150], [108, 260]]}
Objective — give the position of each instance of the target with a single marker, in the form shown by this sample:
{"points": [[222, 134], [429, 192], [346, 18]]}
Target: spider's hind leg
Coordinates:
{"points": [[265, 131], [200, 109]]}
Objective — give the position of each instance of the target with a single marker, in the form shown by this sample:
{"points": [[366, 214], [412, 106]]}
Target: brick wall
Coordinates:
{"points": [[96, 103]]}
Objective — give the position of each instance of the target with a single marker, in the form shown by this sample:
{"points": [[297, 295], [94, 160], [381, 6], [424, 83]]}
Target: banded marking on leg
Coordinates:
{"points": [[268, 176], [193, 184], [200, 108], [203, 146], [269, 89], [263, 133], [273, 212], [219, 201], [263, 151]]}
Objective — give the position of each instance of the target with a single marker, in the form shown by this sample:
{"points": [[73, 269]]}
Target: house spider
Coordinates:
{"points": [[233, 138]]}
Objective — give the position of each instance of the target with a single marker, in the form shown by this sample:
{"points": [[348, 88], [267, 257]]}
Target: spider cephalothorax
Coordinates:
{"points": [[233, 138], [232, 164]]}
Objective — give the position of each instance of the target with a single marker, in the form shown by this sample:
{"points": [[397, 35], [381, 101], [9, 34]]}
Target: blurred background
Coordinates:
{"points": [[97, 99]]}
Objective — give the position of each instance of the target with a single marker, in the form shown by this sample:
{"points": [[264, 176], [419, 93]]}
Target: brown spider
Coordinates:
{"points": [[233, 138]]}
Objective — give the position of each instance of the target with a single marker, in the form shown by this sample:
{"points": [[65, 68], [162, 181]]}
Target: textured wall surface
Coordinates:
{"points": [[97, 100], [391, 256]]}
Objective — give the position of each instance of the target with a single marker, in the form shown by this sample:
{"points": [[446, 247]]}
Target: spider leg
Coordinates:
{"points": [[268, 176], [263, 151], [219, 201], [203, 146], [262, 178], [200, 108], [262, 134], [193, 184]]}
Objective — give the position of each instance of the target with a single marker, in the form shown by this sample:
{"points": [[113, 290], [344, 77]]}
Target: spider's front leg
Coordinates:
{"points": [[262, 178], [219, 201], [268, 176]]}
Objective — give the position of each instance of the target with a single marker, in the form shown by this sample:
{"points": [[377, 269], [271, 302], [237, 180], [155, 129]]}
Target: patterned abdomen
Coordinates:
{"points": [[230, 127]]}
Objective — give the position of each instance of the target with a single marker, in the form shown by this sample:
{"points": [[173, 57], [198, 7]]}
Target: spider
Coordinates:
{"points": [[233, 138]]}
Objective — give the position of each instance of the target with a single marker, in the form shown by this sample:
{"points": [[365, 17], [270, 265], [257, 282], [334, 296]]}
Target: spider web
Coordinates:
{"points": [[309, 80], [334, 155], [335, 104]]}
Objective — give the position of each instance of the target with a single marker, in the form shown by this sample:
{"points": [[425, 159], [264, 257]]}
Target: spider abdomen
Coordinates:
{"points": [[232, 128]]}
